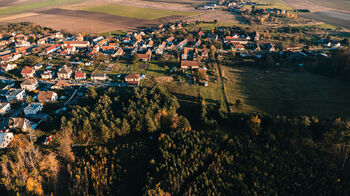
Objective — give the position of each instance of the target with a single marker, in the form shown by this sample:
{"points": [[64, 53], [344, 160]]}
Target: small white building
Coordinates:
{"points": [[16, 95], [4, 108], [5, 139], [33, 109]]}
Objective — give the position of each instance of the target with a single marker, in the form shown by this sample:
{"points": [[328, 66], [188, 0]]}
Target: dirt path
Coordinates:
{"points": [[223, 89]]}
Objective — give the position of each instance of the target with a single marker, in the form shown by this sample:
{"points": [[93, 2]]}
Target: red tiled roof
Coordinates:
{"points": [[45, 95], [133, 76], [79, 75], [27, 70], [189, 64]]}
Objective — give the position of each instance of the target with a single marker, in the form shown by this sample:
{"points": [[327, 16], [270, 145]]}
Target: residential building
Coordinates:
{"points": [[145, 57], [4, 108], [29, 84], [47, 96], [133, 79], [77, 44], [33, 109], [46, 75], [27, 72], [100, 77], [189, 65], [19, 123], [5, 139], [64, 73], [16, 95], [79, 75], [61, 84], [8, 67]]}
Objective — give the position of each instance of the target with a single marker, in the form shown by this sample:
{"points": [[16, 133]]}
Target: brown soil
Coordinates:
{"points": [[164, 79], [322, 13], [83, 21]]}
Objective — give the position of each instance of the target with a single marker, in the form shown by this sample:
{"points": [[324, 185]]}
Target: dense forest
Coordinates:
{"points": [[136, 141]]}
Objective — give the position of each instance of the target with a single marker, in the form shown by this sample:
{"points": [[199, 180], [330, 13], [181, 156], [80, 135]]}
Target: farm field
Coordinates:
{"points": [[288, 93], [336, 4], [273, 4], [135, 12], [33, 5], [105, 16]]}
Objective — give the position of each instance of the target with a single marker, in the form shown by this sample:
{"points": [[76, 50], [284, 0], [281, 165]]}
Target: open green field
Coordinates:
{"points": [[288, 93], [135, 12], [337, 4], [34, 5], [273, 4]]}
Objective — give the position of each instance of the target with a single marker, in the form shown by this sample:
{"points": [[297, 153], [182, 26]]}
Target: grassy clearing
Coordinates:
{"points": [[32, 6], [135, 12], [288, 93], [273, 4]]}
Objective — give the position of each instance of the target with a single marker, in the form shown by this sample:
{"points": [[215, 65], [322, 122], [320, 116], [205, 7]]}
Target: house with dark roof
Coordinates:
{"points": [[29, 84], [64, 73], [19, 123], [99, 76]]}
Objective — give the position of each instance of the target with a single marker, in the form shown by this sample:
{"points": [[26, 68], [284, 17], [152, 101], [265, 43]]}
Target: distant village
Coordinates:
{"points": [[30, 93]]}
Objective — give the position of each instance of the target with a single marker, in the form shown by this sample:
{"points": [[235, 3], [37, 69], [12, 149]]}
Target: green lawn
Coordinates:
{"points": [[135, 12], [32, 6], [273, 4], [286, 92]]}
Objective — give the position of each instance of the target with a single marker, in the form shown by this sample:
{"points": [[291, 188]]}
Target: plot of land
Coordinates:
{"points": [[135, 12], [273, 4], [335, 12], [109, 15], [288, 93], [336, 4], [27, 6]]}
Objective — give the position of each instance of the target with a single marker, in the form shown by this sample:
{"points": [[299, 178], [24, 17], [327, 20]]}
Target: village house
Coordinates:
{"points": [[46, 75], [27, 72], [99, 76], [4, 108], [33, 108], [16, 95], [182, 44], [47, 96], [64, 73], [29, 84], [52, 49], [77, 44], [8, 66], [19, 123], [133, 79], [79, 75], [189, 64], [212, 36], [61, 84], [118, 52], [5, 139], [145, 57]]}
